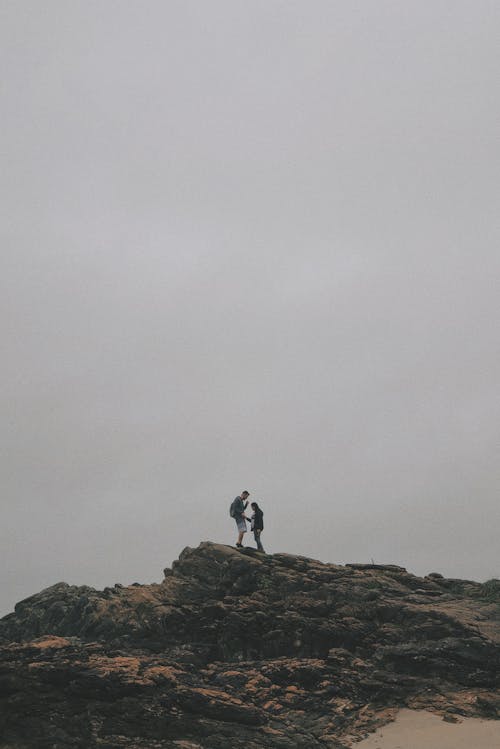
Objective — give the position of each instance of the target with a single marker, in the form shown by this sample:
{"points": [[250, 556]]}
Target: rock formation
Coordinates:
{"points": [[238, 649]]}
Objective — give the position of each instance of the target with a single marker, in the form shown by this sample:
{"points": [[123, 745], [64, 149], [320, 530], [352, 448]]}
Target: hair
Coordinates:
{"points": [[254, 506], [245, 492]]}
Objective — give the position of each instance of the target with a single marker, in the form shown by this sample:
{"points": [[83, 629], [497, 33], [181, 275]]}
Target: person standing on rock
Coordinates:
{"points": [[237, 511], [257, 524]]}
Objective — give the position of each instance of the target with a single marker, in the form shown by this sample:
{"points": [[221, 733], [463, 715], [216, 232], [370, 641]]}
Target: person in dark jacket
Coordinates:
{"points": [[257, 524]]}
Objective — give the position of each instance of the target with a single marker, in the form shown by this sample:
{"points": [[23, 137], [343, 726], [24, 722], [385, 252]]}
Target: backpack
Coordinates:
{"points": [[232, 512]]}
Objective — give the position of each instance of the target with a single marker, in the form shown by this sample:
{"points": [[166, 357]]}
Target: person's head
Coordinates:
{"points": [[255, 506], [245, 494]]}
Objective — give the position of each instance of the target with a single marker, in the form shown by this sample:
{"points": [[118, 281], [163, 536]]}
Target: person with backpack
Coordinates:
{"points": [[237, 511], [257, 524]]}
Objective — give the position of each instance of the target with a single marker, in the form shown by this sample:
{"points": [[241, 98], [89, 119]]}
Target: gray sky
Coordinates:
{"points": [[248, 245]]}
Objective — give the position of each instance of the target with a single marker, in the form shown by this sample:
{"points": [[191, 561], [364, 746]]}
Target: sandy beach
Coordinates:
{"points": [[414, 729]]}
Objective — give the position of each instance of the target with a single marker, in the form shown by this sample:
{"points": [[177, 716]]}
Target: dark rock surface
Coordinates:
{"points": [[240, 649]]}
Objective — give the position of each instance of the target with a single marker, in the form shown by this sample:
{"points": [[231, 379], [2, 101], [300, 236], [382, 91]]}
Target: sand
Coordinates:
{"points": [[417, 729]]}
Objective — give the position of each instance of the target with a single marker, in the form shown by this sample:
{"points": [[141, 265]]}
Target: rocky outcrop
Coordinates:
{"points": [[236, 648]]}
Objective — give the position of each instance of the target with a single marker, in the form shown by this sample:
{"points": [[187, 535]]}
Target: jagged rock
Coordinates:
{"points": [[373, 566], [241, 649]]}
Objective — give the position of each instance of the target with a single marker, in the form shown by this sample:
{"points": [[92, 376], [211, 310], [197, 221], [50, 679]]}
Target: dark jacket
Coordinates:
{"points": [[258, 520], [239, 507]]}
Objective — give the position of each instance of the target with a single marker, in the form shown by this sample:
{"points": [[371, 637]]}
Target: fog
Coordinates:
{"points": [[248, 245]]}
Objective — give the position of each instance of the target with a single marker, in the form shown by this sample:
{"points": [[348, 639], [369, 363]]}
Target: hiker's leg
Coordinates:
{"points": [[256, 534], [240, 538]]}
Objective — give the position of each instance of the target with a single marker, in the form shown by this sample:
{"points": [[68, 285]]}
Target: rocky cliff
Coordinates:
{"points": [[238, 649]]}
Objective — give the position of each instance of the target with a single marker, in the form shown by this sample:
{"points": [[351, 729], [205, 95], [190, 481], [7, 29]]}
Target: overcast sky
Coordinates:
{"points": [[248, 244]]}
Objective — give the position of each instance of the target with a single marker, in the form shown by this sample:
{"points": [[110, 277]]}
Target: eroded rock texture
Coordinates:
{"points": [[237, 649]]}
